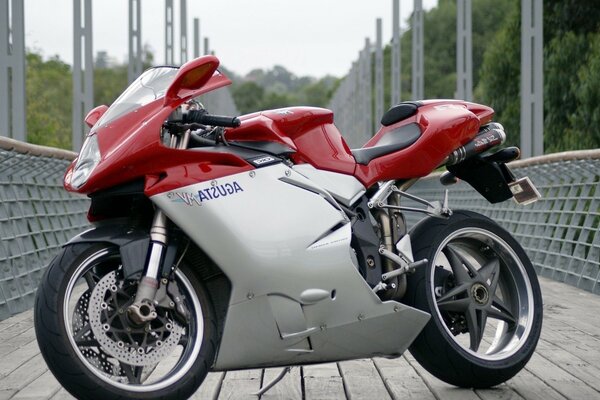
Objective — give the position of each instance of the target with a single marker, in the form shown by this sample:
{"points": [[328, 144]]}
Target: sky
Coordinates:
{"points": [[308, 37]]}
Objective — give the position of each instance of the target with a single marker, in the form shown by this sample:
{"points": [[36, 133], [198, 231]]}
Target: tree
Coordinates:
{"points": [[49, 96]]}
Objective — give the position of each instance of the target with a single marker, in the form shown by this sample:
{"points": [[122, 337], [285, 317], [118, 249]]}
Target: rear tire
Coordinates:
{"points": [[483, 296], [89, 369]]}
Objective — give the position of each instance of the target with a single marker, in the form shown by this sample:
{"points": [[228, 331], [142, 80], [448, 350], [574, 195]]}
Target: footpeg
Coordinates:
{"points": [[401, 271]]}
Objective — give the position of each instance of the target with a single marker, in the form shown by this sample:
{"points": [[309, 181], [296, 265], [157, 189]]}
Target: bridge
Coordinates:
{"points": [[560, 233], [37, 216]]}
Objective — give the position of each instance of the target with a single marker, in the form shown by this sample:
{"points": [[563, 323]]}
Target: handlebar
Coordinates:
{"points": [[202, 117]]}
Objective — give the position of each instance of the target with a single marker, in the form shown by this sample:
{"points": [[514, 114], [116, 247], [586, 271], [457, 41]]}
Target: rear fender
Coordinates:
{"points": [[489, 178]]}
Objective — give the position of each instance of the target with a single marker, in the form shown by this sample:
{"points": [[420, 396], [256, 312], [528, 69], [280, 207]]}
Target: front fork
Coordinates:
{"points": [[142, 310]]}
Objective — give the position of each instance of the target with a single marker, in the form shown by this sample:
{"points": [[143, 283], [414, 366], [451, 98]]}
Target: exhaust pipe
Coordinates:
{"points": [[490, 135]]}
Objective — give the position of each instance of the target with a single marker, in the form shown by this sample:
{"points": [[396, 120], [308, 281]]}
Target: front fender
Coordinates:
{"points": [[133, 244]]}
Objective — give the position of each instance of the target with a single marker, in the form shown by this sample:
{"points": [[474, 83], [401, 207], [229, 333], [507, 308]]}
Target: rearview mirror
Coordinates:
{"points": [[191, 77], [93, 116]]}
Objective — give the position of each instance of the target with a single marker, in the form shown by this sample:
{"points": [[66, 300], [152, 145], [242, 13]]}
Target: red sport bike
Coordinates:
{"points": [[223, 243]]}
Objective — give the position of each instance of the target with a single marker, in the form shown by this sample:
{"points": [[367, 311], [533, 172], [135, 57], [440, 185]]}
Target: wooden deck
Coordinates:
{"points": [[565, 366]]}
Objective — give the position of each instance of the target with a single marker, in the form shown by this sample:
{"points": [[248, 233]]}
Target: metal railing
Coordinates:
{"points": [[560, 232], [37, 216]]}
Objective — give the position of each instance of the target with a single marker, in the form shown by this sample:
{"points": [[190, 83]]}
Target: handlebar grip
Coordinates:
{"points": [[201, 117], [220, 120]]}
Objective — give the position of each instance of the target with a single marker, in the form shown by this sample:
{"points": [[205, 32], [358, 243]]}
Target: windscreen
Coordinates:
{"points": [[150, 86]]}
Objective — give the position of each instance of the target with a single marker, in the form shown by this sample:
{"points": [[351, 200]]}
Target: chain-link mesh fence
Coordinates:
{"points": [[37, 216], [560, 232]]}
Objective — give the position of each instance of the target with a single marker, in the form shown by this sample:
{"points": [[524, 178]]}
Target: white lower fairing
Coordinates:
{"points": [[296, 294]]}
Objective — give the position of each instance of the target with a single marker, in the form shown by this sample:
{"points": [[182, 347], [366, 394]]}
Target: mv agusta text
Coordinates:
{"points": [[223, 243]]}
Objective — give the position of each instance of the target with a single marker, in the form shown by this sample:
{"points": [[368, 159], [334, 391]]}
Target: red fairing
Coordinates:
{"points": [[445, 125], [131, 146], [307, 130]]}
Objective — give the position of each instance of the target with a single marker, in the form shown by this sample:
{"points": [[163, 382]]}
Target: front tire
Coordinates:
{"points": [[96, 353], [483, 296]]}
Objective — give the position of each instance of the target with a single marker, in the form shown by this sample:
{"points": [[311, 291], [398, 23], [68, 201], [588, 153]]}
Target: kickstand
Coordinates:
{"points": [[269, 385]]}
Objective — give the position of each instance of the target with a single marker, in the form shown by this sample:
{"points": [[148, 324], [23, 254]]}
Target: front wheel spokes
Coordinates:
{"points": [[82, 341], [132, 372]]}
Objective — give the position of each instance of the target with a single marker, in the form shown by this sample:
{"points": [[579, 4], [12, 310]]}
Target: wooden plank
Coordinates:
{"points": [[362, 380], [6, 394], [26, 373], [210, 387], [563, 382], [500, 392], [43, 387], [25, 315], [290, 387], [62, 394], [241, 384], [323, 382], [441, 389], [15, 359], [26, 338], [531, 387], [571, 363], [401, 379]]}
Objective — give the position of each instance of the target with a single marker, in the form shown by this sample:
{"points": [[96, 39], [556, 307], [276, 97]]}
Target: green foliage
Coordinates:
{"points": [[499, 84], [571, 75], [109, 83], [278, 87], [49, 100], [585, 120]]}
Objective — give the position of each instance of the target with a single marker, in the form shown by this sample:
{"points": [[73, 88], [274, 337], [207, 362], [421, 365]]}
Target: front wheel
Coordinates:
{"points": [[96, 352], [483, 296]]}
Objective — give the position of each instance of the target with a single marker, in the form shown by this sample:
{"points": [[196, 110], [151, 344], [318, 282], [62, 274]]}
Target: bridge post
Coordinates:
{"points": [[12, 70], [396, 60], [169, 33], [417, 52], [206, 45], [83, 69], [367, 97], [134, 68], [464, 51], [378, 77], [183, 32], [196, 37], [532, 78]]}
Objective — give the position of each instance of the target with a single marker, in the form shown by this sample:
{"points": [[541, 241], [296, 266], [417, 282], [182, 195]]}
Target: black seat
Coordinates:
{"points": [[400, 112], [394, 140]]}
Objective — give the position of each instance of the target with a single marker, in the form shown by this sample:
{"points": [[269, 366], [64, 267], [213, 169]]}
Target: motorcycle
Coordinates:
{"points": [[223, 243]]}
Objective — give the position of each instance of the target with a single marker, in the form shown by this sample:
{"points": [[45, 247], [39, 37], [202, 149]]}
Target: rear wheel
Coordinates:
{"points": [[95, 351], [483, 296]]}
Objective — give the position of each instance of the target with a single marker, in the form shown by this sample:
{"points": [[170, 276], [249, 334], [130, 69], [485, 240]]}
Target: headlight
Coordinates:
{"points": [[88, 159]]}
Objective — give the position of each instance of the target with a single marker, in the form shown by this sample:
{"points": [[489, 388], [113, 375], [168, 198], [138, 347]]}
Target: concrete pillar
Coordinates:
{"points": [[464, 51], [206, 45], [418, 86], [532, 78], [368, 127], [378, 77], [169, 33], [83, 69], [12, 70], [134, 68], [196, 37], [396, 81], [183, 39]]}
